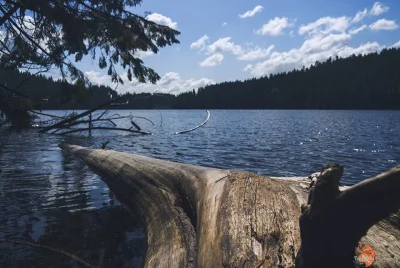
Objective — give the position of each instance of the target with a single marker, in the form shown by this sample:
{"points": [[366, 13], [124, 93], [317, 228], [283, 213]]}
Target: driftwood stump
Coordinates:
{"points": [[205, 217]]}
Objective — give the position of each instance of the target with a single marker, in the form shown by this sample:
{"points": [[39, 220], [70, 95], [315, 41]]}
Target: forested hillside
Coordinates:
{"points": [[359, 82], [52, 94]]}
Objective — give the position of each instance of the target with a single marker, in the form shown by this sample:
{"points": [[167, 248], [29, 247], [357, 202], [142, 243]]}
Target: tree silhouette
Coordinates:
{"points": [[43, 34], [358, 82]]}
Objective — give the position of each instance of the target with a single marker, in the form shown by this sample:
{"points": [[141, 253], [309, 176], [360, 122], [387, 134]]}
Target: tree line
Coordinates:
{"points": [[369, 81]]}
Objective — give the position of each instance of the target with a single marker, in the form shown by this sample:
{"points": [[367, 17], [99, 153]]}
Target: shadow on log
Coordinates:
{"points": [[206, 217]]}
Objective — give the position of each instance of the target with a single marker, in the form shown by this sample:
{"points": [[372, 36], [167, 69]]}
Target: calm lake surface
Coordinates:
{"points": [[50, 198]]}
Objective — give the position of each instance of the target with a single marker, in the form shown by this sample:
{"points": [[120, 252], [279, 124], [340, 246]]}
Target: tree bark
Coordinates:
{"points": [[206, 217]]}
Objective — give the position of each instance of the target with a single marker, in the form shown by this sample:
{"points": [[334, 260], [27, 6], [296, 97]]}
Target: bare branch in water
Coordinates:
{"points": [[67, 254], [202, 124], [143, 118], [104, 128]]}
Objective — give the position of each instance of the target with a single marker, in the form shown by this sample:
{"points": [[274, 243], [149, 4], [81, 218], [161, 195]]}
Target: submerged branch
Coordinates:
{"points": [[202, 124], [73, 118], [86, 122], [135, 125], [143, 118], [104, 128], [67, 254]]}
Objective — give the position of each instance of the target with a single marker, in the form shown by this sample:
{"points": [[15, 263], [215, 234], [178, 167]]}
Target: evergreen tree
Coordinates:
{"points": [[43, 34], [358, 82]]}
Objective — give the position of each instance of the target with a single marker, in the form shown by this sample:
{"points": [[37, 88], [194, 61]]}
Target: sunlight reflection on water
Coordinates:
{"points": [[52, 198]]}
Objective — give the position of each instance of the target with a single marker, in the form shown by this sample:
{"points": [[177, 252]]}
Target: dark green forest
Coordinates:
{"points": [[358, 82]]}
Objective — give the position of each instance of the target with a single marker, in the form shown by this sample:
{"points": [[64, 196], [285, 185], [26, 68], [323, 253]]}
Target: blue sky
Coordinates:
{"points": [[225, 40]]}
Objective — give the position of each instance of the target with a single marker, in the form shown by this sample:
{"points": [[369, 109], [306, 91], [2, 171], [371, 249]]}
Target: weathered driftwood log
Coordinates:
{"points": [[333, 222], [205, 217]]}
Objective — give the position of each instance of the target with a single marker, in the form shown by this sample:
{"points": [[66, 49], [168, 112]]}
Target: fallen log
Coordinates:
{"points": [[206, 217]]}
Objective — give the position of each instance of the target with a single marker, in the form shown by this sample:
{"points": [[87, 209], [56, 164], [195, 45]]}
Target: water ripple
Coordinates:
{"points": [[50, 197]]}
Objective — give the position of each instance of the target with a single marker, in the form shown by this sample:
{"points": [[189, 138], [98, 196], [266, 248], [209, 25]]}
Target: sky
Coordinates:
{"points": [[236, 40]]}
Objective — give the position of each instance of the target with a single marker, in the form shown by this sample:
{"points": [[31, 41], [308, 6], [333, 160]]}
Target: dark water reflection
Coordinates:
{"points": [[51, 198]]}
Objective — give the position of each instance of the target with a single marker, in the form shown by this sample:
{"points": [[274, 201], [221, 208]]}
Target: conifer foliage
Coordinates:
{"points": [[55, 33], [39, 35]]}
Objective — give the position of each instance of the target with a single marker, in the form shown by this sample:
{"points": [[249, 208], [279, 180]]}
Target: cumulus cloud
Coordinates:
{"points": [[251, 13], [244, 53], [315, 48], [255, 54], [326, 37], [171, 83], [326, 25], [363, 49], [378, 9], [274, 26], [224, 24], [213, 60], [354, 31], [360, 15], [396, 45], [162, 20], [98, 78], [200, 43], [319, 44], [224, 45], [384, 24]]}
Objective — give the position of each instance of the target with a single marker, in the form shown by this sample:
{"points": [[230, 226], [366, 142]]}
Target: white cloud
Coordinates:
{"points": [[248, 53], [326, 37], [378, 9], [363, 49], [274, 27], [384, 24], [316, 48], [213, 60], [256, 53], [357, 30], [171, 83], [162, 20], [200, 43], [318, 44], [360, 15], [224, 45], [326, 25], [248, 67], [251, 13], [143, 54], [396, 45], [98, 78], [224, 24]]}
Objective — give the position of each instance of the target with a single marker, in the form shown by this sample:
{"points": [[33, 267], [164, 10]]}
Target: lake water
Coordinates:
{"points": [[50, 198]]}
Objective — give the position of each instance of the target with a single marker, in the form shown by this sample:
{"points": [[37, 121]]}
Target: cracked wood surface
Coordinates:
{"points": [[205, 217], [384, 236]]}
